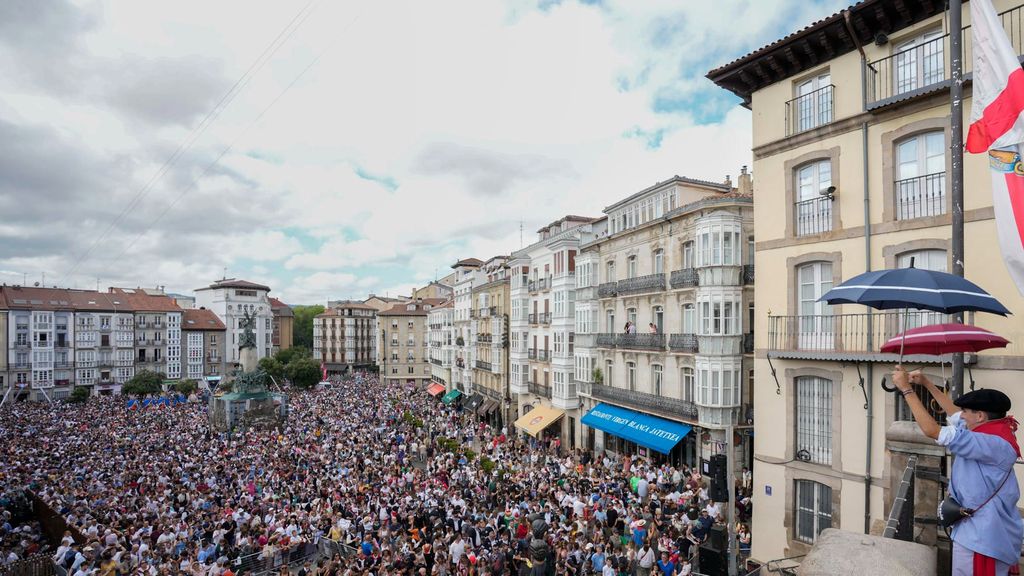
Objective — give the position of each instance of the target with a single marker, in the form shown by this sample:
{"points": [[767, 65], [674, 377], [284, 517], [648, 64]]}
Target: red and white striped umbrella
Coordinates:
{"points": [[940, 339]]}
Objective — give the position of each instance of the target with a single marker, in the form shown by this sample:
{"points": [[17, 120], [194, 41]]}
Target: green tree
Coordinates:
{"points": [[286, 357], [186, 387], [79, 395], [273, 367], [303, 372], [144, 383], [302, 333]]}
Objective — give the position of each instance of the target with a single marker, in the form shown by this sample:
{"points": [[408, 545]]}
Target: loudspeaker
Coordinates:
{"points": [[717, 538], [719, 489], [713, 562]]}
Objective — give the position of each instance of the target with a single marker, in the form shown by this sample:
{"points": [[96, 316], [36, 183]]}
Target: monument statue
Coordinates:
{"points": [[248, 324], [539, 548]]}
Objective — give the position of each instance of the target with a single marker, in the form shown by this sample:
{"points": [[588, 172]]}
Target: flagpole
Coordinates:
{"points": [[957, 166]]}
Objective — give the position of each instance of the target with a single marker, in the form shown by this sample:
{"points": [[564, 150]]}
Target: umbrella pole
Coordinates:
{"points": [[903, 338]]}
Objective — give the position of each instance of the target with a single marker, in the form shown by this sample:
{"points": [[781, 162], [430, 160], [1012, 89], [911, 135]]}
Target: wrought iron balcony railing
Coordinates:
{"points": [[532, 354], [684, 343], [748, 274], [921, 196], [813, 216], [641, 341], [810, 110], [685, 278], [543, 355], [640, 284], [645, 401], [606, 340], [748, 343], [607, 290], [542, 390], [544, 318], [841, 334], [484, 365]]}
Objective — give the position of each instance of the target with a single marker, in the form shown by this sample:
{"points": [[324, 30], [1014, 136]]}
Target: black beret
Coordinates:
{"points": [[984, 399]]}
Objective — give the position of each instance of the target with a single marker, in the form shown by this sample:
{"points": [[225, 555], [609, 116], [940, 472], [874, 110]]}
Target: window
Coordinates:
{"points": [[814, 419], [631, 267], [687, 384], [919, 62], [610, 272], [813, 102], [814, 280], [813, 211], [656, 379], [689, 319], [608, 368], [631, 316], [813, 510], [719, 317], [688, 252], [659, 319], [659, 261], [611, 321], [631, 375], [921, 176], [925, 260]]}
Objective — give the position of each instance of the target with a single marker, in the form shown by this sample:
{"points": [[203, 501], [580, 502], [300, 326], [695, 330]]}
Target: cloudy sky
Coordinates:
{"points": [[335, 148]]}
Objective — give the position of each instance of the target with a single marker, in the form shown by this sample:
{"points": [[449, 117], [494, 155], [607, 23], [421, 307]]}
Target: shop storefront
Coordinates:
{"points": [[630, 432]]}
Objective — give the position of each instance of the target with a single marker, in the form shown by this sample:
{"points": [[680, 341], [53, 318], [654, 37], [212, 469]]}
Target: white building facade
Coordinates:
{"points": [[230, 300]]}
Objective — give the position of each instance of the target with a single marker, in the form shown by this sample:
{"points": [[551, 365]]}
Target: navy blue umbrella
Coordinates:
{"points": [[914, 288]]}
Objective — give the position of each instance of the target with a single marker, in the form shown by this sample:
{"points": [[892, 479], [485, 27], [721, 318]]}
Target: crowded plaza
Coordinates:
{"points": [[364, 478]]}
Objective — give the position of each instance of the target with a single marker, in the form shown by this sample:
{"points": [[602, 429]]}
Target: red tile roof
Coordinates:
{"points": [[419, 308], [140, 301], [200, 319], [235, 283]]}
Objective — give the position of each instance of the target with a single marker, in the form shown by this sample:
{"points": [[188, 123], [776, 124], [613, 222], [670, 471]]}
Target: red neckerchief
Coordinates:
{"points": [[1005, 428]]}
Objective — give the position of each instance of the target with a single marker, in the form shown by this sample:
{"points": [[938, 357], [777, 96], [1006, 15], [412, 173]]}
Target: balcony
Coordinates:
{"points": [[21, 365], [921, 196], [810, 110], [639, 341], [813, 216], [63, 364], [532, 354], [484, 312], [485, 338], [435, 362], [544, 284], [923, 69], [484, 365], [748, 274], [542, 390], [533, 319], [606, 340], [493, 310], [585, 340], [684, 343], [544, 355], [843, 336], [607, 290], [685, 278], [544, 318], [644, 401], [641, 284], [21, 345], [748, 343]]}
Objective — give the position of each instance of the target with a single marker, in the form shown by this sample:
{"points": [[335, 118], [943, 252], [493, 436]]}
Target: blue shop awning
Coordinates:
{"points": [[649, 431]]}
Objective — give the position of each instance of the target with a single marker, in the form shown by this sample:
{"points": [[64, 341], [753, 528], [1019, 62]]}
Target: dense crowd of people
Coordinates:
{"points": [[363, 479]]}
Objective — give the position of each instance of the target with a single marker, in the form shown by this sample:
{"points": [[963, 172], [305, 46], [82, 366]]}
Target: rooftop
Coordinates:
{"points": [[200, 319], [475, 262], [235, 283], [418, 308], [719, 187]]}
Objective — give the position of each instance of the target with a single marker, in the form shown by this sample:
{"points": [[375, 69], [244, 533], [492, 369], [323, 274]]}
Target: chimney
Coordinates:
{"points": [[745, 185], [728, 181]]}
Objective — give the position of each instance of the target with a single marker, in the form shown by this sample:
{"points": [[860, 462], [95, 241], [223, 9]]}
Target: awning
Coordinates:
{"points": [[451, 396], [435, 389], [474, 402], [538, 419], [649, 431], [486, 408]]}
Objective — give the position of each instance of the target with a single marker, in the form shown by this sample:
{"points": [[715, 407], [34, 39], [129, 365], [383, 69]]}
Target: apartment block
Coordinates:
{"points": [[282, 326], [403, 347], [851, 134], [204, 347], [490, 301], [157, 324], [344, 337], [230, 299], [466, 274], [663, 318], [441, 335], [542, 326]]}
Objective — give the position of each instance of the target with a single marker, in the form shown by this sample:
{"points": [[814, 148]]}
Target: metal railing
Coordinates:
{"points": [[532, 318], [485, 338], [484, 365], [543, 390], [544, 318], [607, 290], [921, 196], [923, 68], [484, 312], [748, 343], [900, 525], [810, 110], [748, 274], [649, 283], [684, 343], [813, 216], [543, 355], [645, 401], [435, 361], [38, 565], [641, 341], [21, 365], [843, 332], [606, 340], [532, 354], [685, 278]]}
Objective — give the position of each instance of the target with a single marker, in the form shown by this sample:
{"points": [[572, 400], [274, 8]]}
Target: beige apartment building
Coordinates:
{"points": [[344, 338], [851, 132], [402, 344], [282, 326], [203, 346], [663, 312], [490, 368]]}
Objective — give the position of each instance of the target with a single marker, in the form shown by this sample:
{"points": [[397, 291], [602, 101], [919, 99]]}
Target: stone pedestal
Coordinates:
{"points": [[248, 358]]}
